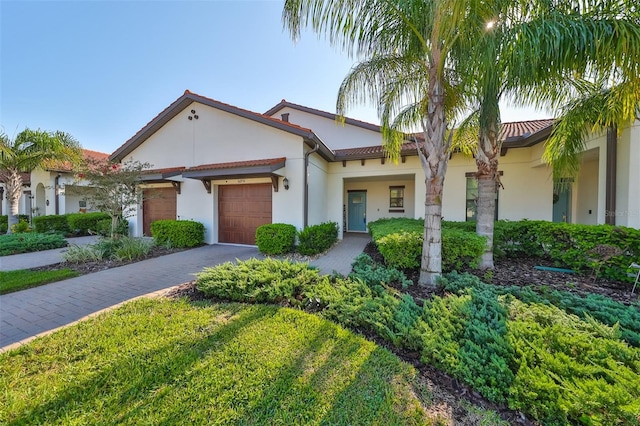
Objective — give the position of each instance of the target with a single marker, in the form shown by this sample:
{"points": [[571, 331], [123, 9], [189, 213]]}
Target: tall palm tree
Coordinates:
{"points": [[31, 149], [541, 52], [405, 47]]}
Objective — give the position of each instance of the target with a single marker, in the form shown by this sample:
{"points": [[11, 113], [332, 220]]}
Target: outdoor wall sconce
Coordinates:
{"points": [[285, 182]]}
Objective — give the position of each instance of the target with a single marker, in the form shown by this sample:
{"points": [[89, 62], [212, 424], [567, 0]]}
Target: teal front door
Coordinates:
{"points": [[357, 220], [562, 205]]}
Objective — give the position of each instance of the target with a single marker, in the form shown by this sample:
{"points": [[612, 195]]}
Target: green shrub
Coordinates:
{"points": [[132, 248], [269, 280], [21, 227], [317, 238], [401, 250], [51, 223], [29, 242], [276, 238], [4, 221], [550, 364], [178, 233], [372, 273], [85, 223], [400, 243], [103, 228], [121, 248]]}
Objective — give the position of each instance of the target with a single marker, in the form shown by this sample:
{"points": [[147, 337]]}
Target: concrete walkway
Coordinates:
{"points": [[41, 258], [30, 312]]}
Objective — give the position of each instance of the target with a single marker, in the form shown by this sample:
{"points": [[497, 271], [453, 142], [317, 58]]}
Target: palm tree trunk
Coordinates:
{"points": [[488, 181], [14, 191], [434, 157]]}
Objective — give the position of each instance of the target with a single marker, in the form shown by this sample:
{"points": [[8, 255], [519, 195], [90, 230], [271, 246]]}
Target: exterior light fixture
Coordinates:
{"points": [[285, 182]]}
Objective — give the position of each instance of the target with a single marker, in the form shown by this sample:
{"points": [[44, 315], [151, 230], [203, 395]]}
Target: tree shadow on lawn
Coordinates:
{"points": [[168, 366], [258, 365]]}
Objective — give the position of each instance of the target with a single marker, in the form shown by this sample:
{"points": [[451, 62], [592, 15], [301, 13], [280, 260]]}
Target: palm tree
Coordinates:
{"points": [[31, 149], [540, 52], [405, 46]]}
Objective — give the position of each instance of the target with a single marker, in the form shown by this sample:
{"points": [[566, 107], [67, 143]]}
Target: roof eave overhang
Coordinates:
{"points": [[234, 172], [160, 177], [526, 141]]}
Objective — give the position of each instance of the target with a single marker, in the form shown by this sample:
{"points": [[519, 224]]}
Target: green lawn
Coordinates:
{"points": [[170, 362], [11, 281]]}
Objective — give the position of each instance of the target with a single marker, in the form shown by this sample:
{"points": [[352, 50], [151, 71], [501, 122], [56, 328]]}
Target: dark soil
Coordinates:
{"points": [[90, 267], [521, 272]]}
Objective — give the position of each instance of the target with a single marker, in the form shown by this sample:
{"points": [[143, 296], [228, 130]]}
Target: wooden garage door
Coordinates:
{"points": [[158, 203], [242, 209]]}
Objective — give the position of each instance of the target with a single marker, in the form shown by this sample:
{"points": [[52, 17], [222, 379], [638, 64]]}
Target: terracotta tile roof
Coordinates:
{"points": [[65, 166], [238, 164], [165, 170], [522, 129], [372, 151]]}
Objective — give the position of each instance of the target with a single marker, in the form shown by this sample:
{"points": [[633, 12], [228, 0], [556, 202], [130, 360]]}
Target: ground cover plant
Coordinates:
{"points": [[29, 242], [170, 362], [518, 347], [120, 249], [11, 281]]}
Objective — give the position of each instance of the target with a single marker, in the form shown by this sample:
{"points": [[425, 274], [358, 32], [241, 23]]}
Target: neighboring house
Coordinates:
{"points": [[49, 190], [234, 170]]}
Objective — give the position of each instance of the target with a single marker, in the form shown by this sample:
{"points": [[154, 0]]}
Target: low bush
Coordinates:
{"points": [[29, 242], [85, 223], [372, 273], [269, 281], [4, 221], [317, 238], [104, 228], [178, 233], [21, 227], [121, 248], [560, 369], [276, 238], [400, 243], [52, 223]]}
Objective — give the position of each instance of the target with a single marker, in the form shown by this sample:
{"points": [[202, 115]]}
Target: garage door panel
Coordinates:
{"points": [[242, 209], [157, 204]]}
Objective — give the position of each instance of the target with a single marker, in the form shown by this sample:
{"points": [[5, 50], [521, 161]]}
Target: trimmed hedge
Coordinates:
{"points": [[178, 233], [400, 243], [4, 222], [567, 245], [29, 242], [54, 223], [104, 227], [85, 223], [276, 238], [317, 238]]}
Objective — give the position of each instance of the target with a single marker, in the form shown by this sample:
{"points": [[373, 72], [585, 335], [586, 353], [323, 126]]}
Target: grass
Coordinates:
{"points": [[11, 281], [170, 362]]}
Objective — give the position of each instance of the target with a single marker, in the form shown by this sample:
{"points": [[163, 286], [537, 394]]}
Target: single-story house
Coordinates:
{"points": [[49, 190], [234, 170]]}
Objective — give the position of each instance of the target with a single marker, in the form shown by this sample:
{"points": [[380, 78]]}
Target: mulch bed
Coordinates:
{"points": [[90, 267], [521, 272]]}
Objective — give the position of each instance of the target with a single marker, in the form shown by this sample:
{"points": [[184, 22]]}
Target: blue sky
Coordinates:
{"points": [[101, 70]]}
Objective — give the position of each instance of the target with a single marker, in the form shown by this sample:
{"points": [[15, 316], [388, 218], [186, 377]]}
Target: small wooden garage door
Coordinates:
{"points": [[241, 210], [158, 203]]}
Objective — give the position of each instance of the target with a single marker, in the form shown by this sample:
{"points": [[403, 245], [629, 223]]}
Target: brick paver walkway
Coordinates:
{"points": [[27, 313]]}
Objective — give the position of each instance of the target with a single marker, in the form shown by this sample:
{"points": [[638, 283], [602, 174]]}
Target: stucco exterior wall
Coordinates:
{"points": [[334, 134], [628, 179], [527, 192], [586, 187], [220, 137], [318, 190]]}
